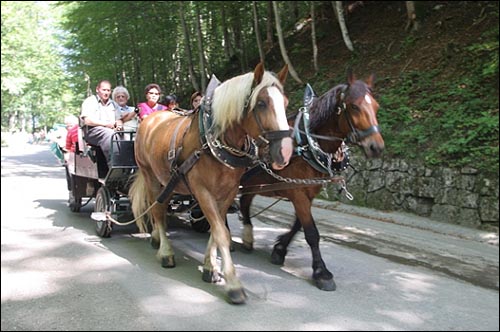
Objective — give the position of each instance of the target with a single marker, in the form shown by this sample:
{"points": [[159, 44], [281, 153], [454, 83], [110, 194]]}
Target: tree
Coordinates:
{"points": [[313, 38], [34, 90], [345, 34], [284, 54], [192, 75], [257, 32], [200, 49], [412, 16]]}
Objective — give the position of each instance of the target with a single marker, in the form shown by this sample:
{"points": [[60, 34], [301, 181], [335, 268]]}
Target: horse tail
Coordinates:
{"points": [[138, 198]]}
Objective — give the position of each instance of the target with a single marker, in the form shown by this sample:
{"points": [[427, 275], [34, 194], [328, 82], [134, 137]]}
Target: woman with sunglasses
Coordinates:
{"points": [[152, 93]]}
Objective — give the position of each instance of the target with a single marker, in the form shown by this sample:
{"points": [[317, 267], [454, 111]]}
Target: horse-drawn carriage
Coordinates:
{"points": [[89, 176], [203, 156]]}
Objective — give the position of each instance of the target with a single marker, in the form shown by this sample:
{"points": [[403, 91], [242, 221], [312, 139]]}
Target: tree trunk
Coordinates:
{"points": [[238, 38], [313, 38], [228, 49], [412, 16], [269, 44], [281, 40], [201, 51], [192, 75], [257, 32], [343, 27]]}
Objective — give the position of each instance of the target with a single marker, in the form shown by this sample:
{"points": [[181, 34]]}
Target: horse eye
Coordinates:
{"points": [[261, 104], [354, 107]]}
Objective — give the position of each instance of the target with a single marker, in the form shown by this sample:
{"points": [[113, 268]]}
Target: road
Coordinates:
{"points": [[393, 271]]}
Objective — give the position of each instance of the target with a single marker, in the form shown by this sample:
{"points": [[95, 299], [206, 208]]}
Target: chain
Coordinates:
{"points": [[312, 181], [321, 181]]}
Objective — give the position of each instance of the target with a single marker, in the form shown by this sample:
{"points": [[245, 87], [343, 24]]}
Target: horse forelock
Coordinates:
{"points": [[358, 89], [229, 98], [267, 80], [229, 101]]}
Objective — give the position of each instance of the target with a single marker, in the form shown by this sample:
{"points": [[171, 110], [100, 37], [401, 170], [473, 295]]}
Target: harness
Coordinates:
{"points": [[229, 156], [308, 146], [309, 149]]}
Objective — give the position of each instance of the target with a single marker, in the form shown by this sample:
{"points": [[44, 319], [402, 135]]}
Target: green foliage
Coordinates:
{"points": [[34, 88], [452, 122]]}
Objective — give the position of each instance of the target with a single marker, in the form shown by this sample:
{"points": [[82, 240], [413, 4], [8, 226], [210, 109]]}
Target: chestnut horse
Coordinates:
{"points": [[204, 155], [345, 114]]}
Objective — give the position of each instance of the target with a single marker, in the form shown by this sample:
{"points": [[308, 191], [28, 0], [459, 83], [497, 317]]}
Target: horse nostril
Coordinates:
{"points": [[376, 149]]}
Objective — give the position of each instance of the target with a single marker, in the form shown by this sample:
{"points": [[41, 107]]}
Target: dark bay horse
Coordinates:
{"points": [[204, 155], [345, 114]]}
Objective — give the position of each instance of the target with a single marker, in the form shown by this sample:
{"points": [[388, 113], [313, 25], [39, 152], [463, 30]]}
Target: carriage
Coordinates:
{"points": [[89, 176]]}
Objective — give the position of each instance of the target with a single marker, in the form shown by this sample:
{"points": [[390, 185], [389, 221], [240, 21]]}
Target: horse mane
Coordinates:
{"points": [[324, 107], [229, 98]]}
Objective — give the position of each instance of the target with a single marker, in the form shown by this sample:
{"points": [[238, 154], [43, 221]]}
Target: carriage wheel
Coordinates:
{"points": [[199, 225], [75, 203], [103, 204]]}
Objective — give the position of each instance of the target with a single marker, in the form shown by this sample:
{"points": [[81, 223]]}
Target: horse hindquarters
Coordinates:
{"points": [[142, 194]]}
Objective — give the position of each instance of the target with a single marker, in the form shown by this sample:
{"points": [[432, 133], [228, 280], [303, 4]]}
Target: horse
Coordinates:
{"points": [[204, 155], [347, 113]]}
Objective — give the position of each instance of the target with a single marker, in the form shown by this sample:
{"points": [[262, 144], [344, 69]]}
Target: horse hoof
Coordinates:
{"points": [[326, 284], [278, 256], [237, 296], [248, 246], [168, 262], [154, 243], [210, 276]]}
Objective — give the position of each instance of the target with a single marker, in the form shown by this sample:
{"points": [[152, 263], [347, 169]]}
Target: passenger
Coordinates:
{"points": [[100, 115], [71, 122], [121, 96], [170, 102], [196, 100], [152, 93]]}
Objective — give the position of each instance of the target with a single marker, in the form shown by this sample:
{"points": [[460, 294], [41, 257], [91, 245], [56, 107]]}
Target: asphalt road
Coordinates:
{"points": [[393, 271]]}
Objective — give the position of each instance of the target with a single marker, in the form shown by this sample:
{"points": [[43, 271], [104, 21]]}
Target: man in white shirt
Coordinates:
{"points": [[101, 116]]}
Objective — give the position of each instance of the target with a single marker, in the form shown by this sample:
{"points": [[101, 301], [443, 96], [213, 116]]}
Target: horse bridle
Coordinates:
{"points": [[267, 136], [355, 136]]}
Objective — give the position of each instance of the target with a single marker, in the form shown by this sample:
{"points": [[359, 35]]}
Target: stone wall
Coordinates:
{"points": [[459, 196]]}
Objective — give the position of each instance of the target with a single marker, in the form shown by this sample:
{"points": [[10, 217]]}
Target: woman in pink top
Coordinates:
{"points": [[152, 93]]}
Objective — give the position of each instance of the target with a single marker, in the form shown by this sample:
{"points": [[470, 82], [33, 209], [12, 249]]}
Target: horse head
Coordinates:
{"points": [[359, 110], [260, 104]]}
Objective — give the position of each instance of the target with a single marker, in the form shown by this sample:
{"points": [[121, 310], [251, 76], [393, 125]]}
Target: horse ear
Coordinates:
{"points": [[258, 73], [350, 76], [282, 75], [370, 81]]}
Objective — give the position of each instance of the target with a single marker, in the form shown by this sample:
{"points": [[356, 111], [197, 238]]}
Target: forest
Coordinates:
{"points": [[436, 62]]}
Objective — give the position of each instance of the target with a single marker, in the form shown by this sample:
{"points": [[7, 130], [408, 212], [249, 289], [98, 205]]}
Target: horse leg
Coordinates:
{"points": [[155, 239], [210, 270], [234, 288], [321, 276], [282, 242], [165, 253], [247, 236], [221, 239]]}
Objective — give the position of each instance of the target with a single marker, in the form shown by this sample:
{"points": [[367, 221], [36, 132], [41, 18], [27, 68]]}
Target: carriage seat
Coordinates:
{"points": [[122, 149]]}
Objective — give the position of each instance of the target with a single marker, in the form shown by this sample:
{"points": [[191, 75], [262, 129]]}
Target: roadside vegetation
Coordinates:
{"points": [[437, 81]]}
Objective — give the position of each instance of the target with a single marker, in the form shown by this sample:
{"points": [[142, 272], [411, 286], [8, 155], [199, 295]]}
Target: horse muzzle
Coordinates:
{"points": [[373, 146], [281, 152]]}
